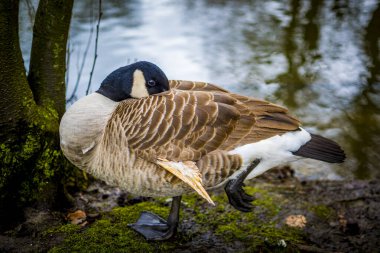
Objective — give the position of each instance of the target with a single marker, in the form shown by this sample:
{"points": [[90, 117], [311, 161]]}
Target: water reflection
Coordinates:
{"points": [[319, 58], [291, 80], [364, 119]]}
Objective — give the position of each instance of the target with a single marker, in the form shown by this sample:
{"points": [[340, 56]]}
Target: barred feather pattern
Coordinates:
{"points": [[193, 121]]}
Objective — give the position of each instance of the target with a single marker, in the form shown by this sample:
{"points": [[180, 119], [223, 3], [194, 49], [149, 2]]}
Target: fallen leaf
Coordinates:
{"points": [[76, 217], [296, 221]]}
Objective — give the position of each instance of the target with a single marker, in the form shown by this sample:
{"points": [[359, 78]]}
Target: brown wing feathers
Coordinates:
{"points": [[196, 122], [194, 119], [259, 119], [195, 86]]}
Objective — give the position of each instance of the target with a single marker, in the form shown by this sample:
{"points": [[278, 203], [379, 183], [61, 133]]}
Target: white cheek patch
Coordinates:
{"points": [[138, 87]]}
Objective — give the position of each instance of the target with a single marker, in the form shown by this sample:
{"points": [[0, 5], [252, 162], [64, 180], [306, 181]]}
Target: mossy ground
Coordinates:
{"points": [[322, 211], [257, 230], [339, 216]]}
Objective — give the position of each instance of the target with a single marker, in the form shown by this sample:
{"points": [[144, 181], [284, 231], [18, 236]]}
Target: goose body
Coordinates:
{"points": [[118, 142], [138, 123]]}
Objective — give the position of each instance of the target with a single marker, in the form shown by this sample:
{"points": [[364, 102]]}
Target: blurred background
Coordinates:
{"points": [[320, 59]]}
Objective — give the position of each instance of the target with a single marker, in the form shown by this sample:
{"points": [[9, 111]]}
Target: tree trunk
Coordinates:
{"points": [[14, 88], [48, 62], [33, 169]]}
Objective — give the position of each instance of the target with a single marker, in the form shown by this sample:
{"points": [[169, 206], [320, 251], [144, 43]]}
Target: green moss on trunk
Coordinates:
{"points": [[33, 169]]}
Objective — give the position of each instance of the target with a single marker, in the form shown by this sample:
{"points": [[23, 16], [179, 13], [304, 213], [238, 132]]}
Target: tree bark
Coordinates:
{"points": [[14, 88], [33, 170], [47, 63]]}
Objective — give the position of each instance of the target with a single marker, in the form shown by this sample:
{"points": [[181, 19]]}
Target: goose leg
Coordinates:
{"points": [[154, 228], [235, 192]]}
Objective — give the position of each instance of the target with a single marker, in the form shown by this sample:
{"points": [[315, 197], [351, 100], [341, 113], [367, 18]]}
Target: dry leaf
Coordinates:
{"points": [[296, 221], [76, 217]]}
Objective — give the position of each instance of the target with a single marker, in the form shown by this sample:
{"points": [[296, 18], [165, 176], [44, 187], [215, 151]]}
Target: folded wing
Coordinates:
{"points": [[194, 119]]}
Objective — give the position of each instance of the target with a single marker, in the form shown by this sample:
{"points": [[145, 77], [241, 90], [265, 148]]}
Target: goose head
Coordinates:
{"points": [[136, 80]]}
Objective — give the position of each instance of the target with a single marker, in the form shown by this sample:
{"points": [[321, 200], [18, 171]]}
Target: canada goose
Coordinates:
{"points": [[154, 137]]}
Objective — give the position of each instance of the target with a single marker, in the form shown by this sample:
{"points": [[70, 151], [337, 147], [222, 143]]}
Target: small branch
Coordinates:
{"points": [[68, 55], [96, 46], [73, 94], [31, 11]]}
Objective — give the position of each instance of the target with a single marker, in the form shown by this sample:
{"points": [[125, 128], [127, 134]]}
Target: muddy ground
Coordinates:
{"points": [[309, 216]]}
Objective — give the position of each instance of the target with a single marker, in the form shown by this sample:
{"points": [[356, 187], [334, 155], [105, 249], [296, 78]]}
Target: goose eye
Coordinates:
{"points": [[151, 83]]}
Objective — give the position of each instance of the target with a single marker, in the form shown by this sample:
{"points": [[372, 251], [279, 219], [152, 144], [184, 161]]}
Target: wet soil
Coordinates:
{"points": [[340, 216]]}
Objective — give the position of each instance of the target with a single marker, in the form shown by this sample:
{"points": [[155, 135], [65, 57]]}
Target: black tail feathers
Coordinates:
{"points": [[323, 149]]}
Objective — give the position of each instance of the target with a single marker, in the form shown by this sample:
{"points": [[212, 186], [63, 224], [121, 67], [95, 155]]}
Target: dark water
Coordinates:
{"points": [[319, 58]]}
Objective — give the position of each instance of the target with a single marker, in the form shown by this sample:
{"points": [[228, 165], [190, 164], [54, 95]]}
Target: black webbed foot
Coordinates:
{"points": [[245, 196], [155, 228], [237, 197]]}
